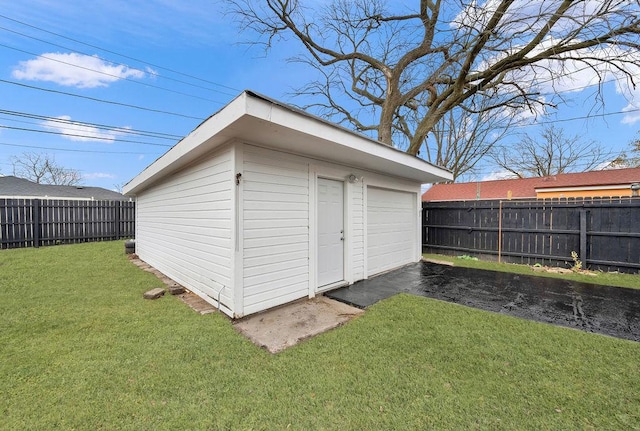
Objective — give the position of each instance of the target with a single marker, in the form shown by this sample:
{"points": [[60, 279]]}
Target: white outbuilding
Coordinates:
{"points": [[263, 204]]}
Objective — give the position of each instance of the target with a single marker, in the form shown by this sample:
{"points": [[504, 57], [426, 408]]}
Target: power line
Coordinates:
{"points": [[33, 87], [24, 129], [585, 117], [561, 120], [229, 94], [491, 168], [71, 129], [72, 149], [119, 54], [146, 84], [116, 129], [211, 82], [115, 63]]}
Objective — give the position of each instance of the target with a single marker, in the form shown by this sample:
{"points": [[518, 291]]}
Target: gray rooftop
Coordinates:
{"points": [[14, 187]]}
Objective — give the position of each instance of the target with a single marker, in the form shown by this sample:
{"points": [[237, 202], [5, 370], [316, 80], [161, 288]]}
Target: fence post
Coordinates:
{"points": [[583, 237], [500, 232], [35, 208], [424, 227], [116, 219]]}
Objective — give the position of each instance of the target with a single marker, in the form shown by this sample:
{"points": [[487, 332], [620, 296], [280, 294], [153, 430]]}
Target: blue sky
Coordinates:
{"points": [[182, 58]]}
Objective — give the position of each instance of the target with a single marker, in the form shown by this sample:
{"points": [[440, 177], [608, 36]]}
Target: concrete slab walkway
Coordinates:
{"points": [[285, 326], [606, 310]]}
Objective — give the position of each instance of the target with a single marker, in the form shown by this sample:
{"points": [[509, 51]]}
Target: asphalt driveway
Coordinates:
{"points": [[613, 311]]}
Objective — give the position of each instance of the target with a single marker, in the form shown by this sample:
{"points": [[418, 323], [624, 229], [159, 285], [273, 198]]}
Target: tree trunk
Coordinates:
{"points": [[389, 106]]}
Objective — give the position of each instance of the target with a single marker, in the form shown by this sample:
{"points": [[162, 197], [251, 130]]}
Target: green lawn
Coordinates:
{"points": [[604, 278], [80, 349]]}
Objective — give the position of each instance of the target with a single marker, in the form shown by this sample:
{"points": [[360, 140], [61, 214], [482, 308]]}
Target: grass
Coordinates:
{"points": [[80, 349], [603, 278]]}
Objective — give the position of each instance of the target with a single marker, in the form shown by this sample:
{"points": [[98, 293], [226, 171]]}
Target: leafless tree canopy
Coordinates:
{"points": [[43, 169], [402, 72], [554, 153], [629, 158], [461, 139]]}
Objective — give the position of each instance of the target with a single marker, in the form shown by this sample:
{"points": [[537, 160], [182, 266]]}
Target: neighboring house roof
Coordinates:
{"points": [[14, 187], [522, 188], [260, 120]]}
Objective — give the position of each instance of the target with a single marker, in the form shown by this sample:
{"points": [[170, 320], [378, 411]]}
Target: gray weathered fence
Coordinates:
{"points": [[605, 232], [39, 222]]}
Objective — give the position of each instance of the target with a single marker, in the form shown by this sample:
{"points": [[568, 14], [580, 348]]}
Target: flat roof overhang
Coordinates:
{"points": [[259, 120]]}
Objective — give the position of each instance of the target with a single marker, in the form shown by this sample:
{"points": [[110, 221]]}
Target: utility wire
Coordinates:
{"points": [[224, 86], [230, 94], [492, 168], [75, 131], [72, 150], [117, 129], [98, 138], [585, 117], [146, 84], [115, 63], [189, 95], [120, 55], [202, 119], [101, 100]]}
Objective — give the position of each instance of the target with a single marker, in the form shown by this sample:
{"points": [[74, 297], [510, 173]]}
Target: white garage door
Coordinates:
{"points": [[391, 229]]}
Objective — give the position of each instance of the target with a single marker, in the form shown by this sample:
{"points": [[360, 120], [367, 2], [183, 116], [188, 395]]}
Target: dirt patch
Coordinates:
{"points": [[196, 303]]}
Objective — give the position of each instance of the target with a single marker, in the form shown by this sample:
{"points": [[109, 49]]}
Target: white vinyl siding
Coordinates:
{"points": [[184, 227], [275, 228], [204, 231], [391, 229], [357, 234]]}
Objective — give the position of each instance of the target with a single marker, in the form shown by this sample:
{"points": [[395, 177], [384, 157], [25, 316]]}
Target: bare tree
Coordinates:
{"points": [[399, 73], [43, 169], [629, 158], [552, 154], [462, 139], [119, 186]]}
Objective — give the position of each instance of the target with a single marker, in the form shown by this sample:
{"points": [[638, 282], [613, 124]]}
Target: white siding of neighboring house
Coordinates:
{"points": [[275, 228], [184, 226]]}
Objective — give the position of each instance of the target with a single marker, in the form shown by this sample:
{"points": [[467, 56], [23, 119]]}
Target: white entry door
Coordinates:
{"points": [[330, 231]]}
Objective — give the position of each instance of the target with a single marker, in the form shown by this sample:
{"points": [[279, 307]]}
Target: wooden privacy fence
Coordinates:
{"points": [[36, 222], [605, 232]]}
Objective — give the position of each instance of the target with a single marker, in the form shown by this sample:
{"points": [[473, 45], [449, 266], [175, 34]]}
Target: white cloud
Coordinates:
{"points": [[152, 72], [551, 77], [526, 14], [632, 95], [632, 117], [79, 132], [498, 175], [573, 72], [73, 70], [526, 114], [98, 175]]}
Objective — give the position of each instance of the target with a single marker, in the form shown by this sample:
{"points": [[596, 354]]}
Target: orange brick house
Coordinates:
{"points": [[614, 182]]}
